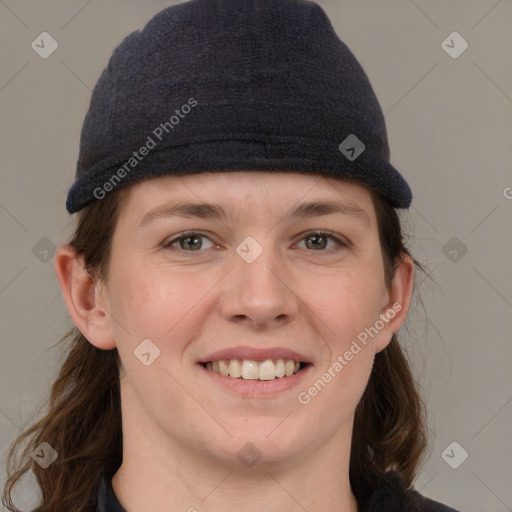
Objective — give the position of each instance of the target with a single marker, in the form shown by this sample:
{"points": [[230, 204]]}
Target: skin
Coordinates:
{"points": [[181, 429]]}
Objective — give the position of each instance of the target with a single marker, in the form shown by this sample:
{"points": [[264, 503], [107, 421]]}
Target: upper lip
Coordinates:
{"points": [[255, 354]]}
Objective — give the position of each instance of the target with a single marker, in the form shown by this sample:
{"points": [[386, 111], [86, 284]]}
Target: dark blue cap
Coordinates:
{"points": [[226, 85]]}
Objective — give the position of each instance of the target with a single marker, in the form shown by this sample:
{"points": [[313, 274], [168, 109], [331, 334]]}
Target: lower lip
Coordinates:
{"points": [[258, 388]]}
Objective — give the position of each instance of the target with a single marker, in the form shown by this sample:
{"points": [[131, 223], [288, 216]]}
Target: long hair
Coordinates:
{"points": [[83, 418], [389, 425]]}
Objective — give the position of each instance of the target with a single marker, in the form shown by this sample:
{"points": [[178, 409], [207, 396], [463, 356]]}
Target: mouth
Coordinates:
{"points": [[250, 369], [255, 372]]}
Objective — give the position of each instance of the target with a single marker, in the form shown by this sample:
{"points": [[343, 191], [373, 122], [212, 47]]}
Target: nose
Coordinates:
{"points": [[260, 294]]}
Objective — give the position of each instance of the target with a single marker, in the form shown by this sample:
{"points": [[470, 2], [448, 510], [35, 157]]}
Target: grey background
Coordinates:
{"points": [[450, 132]]}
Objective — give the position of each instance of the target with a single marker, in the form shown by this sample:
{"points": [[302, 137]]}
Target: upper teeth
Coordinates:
{"points": [[249, 369]]}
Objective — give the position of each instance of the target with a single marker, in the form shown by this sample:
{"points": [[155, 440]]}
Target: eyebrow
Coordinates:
{"points": [[213, 211]]}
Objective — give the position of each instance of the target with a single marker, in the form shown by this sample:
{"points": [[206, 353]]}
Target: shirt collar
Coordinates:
{"points": [[107, 500]]}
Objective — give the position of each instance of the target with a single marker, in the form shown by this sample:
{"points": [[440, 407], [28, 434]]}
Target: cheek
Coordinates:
{"points": [[331, 398], [350, 310], [151, 301], [351, 303]]}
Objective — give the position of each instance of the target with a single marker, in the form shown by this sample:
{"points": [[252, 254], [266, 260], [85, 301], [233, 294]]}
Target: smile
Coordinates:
{"points": [[248, 369]]}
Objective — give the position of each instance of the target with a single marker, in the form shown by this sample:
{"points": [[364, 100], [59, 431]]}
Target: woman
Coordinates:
{"points": [[236, 279]]}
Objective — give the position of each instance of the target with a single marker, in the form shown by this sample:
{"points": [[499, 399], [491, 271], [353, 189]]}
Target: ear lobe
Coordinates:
{"points": [[83, 297], [397, 307]]}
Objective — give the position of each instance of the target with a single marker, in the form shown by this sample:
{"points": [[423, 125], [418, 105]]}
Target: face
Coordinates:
{"points": [[254, 284]]}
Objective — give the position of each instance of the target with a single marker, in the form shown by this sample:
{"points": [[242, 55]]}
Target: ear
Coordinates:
{"points": [[396, 307], [85, 298]]}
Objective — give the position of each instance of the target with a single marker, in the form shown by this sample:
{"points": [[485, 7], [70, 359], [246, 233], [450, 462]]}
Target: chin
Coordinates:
{"points": [[262, 444]]}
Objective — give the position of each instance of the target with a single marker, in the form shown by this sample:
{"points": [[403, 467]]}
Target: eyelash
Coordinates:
{"points": [[321, 232]]}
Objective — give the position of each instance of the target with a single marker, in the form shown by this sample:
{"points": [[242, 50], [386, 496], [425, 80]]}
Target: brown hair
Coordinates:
{"points": [[83, 422], [389, 425]]}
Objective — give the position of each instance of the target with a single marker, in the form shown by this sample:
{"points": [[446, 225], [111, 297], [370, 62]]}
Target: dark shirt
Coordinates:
{"points": [[388, 496]]}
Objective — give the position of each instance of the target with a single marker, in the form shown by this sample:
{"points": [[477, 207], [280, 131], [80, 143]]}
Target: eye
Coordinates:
{"points": [[191, 241], [318, 240]]}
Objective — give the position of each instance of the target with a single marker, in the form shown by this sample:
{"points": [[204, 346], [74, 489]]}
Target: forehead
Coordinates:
{"points": [[240, 191]]}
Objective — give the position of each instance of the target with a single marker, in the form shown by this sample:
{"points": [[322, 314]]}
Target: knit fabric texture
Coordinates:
{"points": [[227, 85]]}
